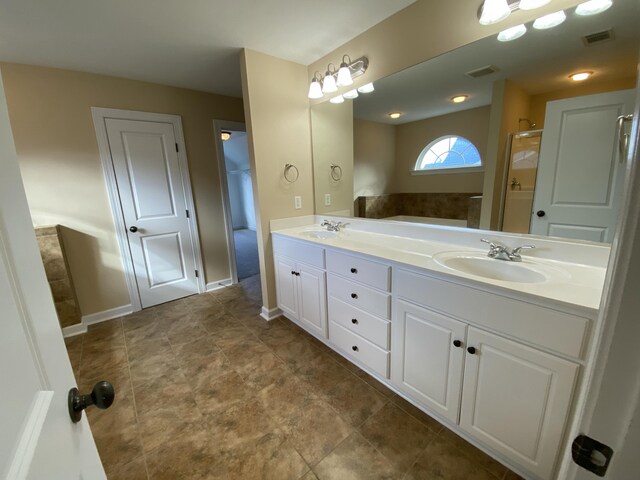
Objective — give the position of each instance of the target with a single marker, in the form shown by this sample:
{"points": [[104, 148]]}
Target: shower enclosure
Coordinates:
{"points": [[521, 170]]}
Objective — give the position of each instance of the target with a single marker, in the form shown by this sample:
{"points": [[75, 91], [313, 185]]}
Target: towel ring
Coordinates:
{"points": [[336, 172], [288, 176]]}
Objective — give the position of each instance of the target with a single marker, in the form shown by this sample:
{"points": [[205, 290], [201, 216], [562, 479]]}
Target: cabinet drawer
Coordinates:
{"points": [[355, 268], [357, 347], [300, 251], [559, 331], [372, 301], [364, 324]]}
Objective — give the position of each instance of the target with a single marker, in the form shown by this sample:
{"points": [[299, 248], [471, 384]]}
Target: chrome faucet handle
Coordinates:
{"points": [[493, 245], [516, 251], [342, 224]]}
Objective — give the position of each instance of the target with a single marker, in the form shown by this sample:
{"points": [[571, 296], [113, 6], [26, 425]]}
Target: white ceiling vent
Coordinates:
{"points": [[598, 37], [482, 72]]}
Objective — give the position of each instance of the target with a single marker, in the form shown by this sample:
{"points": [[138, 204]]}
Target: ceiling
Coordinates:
{"points": [[539, 62], [186, 43]]}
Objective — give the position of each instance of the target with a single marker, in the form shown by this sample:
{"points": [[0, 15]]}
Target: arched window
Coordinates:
{"points": [[450, 151]]}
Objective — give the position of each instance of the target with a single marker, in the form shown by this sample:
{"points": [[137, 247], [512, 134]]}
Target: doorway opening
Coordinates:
{"points": [[237, 184]]}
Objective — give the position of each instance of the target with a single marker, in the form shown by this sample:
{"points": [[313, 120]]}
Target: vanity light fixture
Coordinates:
{"points": [[366, 88], [395, 115], [532, 4], [494, 11], [333, 79], [592, 7], [351, 94], [580, 76], [549, 21], [512, 33], [338, 99], [459, 98], [225, 135]]}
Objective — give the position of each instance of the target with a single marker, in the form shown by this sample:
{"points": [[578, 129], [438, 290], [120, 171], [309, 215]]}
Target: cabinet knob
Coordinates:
{"points": [[354, 348], [292, 272], [541, 213], [354, 321], [457, 343], [354, 270], [297, 274], [471, 350], [354, 295]]}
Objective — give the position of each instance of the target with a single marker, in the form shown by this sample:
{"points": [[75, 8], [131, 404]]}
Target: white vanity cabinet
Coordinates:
{"points": [[301, 284]]}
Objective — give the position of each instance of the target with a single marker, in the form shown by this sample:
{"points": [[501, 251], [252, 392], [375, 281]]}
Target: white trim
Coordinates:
{"points": [[73, 330], [99, 116], [105, 315], [272, 314], [219, 284], [218, 126], [28, 442], [437, 171]]}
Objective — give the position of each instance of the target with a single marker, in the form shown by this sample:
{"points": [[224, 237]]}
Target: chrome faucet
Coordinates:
{"points": [[333, 226], [502, 252]]}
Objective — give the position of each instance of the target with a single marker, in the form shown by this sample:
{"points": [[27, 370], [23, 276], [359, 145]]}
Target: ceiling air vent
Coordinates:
{"points": [[481, 72], [598, 37]]}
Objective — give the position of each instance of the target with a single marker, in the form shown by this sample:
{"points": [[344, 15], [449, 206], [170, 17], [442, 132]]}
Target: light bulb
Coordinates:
{"points": [[315, 90], [580, 76], [459, 98], [532, 4], [512, 33], [351, 94], [395, 115], [550, 21], [367, 88], [344, 76], [593, 6], [338, 99], [494, 11], [329, 83]]}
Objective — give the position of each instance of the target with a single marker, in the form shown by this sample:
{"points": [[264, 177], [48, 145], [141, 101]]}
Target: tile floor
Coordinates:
{"points": [[206, 389]]}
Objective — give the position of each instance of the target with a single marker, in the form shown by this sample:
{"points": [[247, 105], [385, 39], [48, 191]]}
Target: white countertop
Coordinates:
{"points": [[575, 284]]}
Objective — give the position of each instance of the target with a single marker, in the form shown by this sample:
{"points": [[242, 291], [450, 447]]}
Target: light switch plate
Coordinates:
{"points": [[297, 202], [327, 199]]}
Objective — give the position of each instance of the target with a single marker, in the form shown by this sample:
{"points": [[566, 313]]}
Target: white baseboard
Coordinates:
{"points": [[218, 284], [269, 315], [94, 318]]}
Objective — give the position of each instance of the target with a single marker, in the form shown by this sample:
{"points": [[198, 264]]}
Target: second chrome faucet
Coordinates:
{"points": [[502, 252]]}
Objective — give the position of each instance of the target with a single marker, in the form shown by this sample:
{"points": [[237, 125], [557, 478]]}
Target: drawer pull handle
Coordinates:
{"points": [[457, 343], [471, 350], [354, 321], [354, 270], [354, 348], [354, 296]]}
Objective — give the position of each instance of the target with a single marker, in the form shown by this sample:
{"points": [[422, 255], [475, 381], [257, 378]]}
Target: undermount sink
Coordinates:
{"points": [[320, 234], [482, 266]]}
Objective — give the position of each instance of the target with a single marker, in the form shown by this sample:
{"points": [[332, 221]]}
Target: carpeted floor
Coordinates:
{"points": [[246, 253]]}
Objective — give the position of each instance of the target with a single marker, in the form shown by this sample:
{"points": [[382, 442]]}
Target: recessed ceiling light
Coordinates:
{"points": [[593, 7], [494, 11], [459, 98], [338, 99], [367, 88], [512, 33], [580, 76], [351, 94], [395, 115], [532, 4], [550, 21], [225, 135]]}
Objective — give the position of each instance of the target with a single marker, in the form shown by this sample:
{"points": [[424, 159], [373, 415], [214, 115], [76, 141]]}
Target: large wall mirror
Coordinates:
{"points": [[528, 150]]}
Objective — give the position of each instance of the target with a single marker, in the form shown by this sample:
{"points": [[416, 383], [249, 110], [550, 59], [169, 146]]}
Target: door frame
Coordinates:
{"points": [[218, 127], [100, 115]]}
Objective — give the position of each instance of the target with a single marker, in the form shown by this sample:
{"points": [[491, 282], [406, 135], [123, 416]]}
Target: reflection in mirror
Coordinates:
{"points": [[549, 145]]}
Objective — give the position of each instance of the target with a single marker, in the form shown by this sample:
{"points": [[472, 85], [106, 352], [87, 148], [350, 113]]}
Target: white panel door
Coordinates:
{"points": [[287, 287], [38, 441], [580, 172], [427, 364], [312, 299], [515, 399], [153, 203]]}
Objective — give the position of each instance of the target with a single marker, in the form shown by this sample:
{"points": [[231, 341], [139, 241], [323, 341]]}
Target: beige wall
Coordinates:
{"points": [[332, 143], [374, 157], [278, 132], [50, 112], [411, 138]]}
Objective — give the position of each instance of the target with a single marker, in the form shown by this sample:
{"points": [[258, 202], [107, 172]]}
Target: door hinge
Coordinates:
{"points": [[197, 275], [177, 149], [187, 213], [591, 454]]}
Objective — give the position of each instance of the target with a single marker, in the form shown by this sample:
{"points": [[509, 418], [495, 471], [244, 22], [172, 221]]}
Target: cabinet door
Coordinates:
{"points": [[516, 399], [426, 364], [286, 287], [312, 299]]}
